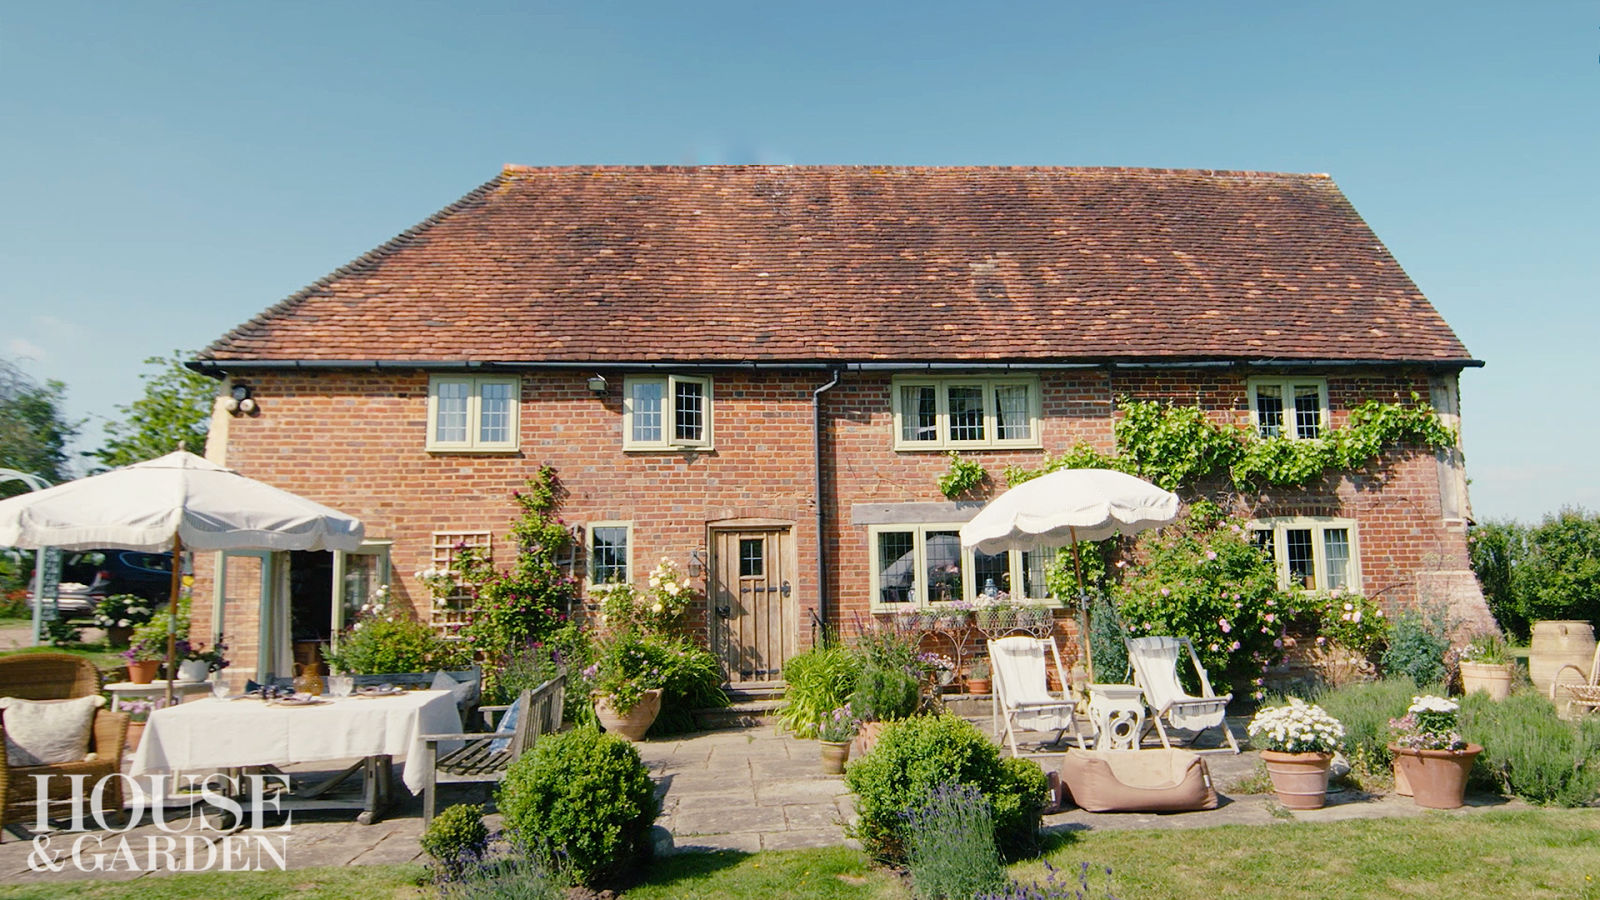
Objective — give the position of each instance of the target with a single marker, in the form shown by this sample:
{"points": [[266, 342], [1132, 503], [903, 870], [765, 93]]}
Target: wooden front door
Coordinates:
{"points": [[754, 610]]}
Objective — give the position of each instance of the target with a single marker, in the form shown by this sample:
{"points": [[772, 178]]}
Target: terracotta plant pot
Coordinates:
{"points": [[1438, 778], [1299, 779], [834, 754], [143, 671], [1402, 785], [977, 685], [635, 722], [135, 732], [1493, 679], [866, 739]]}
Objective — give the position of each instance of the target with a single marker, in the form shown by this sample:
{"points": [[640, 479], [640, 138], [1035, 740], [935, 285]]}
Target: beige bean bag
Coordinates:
{"points": [[1138, 780]]}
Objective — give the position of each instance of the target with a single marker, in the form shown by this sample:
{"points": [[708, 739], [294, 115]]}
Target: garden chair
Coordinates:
{"points": [[1155, 670], [1021, 701], [484, 758], [50, 677], [1581, 696]]}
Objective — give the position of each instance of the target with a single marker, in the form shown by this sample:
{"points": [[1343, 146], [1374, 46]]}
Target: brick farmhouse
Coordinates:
{"points": [[759, 373]]}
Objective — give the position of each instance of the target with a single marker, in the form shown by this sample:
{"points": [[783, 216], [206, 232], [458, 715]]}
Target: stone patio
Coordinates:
{"points": [[746, 789]]}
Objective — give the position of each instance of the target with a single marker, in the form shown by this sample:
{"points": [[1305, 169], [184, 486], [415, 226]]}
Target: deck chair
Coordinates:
{"points": [[1021, 700], [1583, 696], [484, 758], [1155, 670]]}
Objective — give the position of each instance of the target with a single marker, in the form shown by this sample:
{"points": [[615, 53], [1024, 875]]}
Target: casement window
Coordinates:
{"points": [[610, 544], [473, 413], [449, 605], [666, 412], [953, 413], [1313, 553], [924, 565], [1295, 408]]}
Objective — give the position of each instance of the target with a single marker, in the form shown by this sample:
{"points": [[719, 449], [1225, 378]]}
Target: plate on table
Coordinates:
{"points": [[296, 700], [382, 690]]}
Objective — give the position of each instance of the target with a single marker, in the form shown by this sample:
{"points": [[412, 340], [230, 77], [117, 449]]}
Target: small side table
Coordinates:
{"points": [[127, 690], [1117, 711]]}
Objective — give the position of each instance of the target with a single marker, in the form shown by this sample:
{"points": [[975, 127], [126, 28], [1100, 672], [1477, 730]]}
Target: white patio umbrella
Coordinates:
{"points": [[1068, 506], [169, 503]]}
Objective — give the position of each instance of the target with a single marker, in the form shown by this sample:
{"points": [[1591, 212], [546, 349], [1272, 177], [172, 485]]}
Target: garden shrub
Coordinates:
{"points": [[379, 646], [950, 849], [691, 679], [916, 755], [1548, 571], [1202, 579], [1417, 645], [512, 877], [580, 805], [456, 839], [1530, 752], [817, 682], [1105, 638], [883, 695], [524, 671], [1365, 708]]}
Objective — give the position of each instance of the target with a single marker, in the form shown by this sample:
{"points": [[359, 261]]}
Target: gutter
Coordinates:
{"points": [[822, 543], [216, 368]]}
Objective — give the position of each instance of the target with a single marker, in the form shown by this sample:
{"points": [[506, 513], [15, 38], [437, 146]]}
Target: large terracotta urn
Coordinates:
{"points": [[1438, 778], [1299, 779], [635, 722]]}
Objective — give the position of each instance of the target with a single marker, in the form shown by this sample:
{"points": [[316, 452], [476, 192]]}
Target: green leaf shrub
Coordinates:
{"points": [[580, 804], [884, 695], [914, 756], [400, 644], [1417, 645], [691, 679], [1549, 571], [1529, 752], [950, 845], [456, 839], [964, 476], [817, 682], [1347, 620], [1365, 708], [1202, 579]]}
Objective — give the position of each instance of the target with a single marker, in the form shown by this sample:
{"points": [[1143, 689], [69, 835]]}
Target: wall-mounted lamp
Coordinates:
{"points": [[597, 384], [239, 401], [697, 563]]}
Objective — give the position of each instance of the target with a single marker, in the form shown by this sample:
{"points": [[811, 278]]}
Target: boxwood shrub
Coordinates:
{"points": [[914, 756], [580, 805]]}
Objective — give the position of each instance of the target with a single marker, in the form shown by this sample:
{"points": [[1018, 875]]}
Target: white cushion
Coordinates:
{"points": [[44, 732]]}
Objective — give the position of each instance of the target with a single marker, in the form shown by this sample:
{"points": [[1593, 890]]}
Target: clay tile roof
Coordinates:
{"points": [[840, 264]]}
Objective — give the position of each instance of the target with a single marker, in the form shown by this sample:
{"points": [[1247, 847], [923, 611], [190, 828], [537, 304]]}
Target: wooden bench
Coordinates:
{"points": [[476, 761]]}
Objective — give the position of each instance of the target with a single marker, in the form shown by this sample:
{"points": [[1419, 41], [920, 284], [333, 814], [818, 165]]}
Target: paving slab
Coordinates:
{"points": [[803, 816], [729, 819], [799, 790]]}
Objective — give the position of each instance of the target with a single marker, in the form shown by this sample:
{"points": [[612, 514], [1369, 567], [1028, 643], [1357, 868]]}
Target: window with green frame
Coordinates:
{"points": [[962, 412], [1314, 553]]}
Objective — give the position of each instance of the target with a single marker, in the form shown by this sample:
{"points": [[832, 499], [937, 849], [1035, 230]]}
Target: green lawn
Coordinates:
{"points": [[98, 653], [1525, 854]]}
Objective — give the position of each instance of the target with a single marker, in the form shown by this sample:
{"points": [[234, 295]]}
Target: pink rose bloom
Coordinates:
{"points": [[1321, 640], [1165, 592], [1223, 623], [1235, 646], [1269, 617], [1211, 554]]}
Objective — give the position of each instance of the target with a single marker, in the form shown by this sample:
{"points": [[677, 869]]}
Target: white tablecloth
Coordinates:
{"points": [[214, 734]]}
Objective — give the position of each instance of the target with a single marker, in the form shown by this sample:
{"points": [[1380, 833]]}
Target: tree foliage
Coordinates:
{"points": [[176, 407], [33, 432], [1549, 571]]}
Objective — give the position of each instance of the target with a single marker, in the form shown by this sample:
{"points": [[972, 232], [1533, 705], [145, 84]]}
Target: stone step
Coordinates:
{"points": [[740, 714]]}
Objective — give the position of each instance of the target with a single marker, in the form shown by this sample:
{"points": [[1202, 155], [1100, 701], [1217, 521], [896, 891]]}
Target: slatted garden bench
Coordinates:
{"points": [[477, 760]]}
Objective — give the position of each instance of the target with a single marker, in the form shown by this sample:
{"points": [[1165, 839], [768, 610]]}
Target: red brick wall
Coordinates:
{"points": [[354, 440]]}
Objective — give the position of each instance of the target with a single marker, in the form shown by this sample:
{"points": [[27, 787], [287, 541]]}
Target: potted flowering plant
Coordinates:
{"points": [[626, 685], [835, 731], [978, 676], [1431, 759], [119, 613], [1486, 666], [1297, 743], [196, 663], [144, 656], [940, 667]]}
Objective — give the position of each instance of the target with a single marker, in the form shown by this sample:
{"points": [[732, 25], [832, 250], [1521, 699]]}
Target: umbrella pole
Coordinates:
{"points": [[1083, 608], [172, 614]]}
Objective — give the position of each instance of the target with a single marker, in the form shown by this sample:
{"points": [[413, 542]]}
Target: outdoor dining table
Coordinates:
{"points": [[212, 734]]}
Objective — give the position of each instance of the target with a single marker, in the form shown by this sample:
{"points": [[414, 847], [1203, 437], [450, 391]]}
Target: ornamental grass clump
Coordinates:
{"points": [[817, 682], [1298, 727], [1366, 709], [950, 845], [1429, 724]]}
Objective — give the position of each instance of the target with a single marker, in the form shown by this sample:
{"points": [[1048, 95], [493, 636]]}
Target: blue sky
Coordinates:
{"points": [[171, 169]]}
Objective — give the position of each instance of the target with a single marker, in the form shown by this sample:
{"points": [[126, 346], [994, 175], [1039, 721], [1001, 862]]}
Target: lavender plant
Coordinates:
{"points": [[950, 844]]}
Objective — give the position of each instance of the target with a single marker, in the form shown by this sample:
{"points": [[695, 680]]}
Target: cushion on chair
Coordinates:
{"points": [[508, 727], [1138, 780], [462, 690], [46, 732]]}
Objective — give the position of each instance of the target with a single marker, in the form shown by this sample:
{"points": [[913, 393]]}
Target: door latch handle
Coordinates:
{"points": [[785, 589], [724, 612]]}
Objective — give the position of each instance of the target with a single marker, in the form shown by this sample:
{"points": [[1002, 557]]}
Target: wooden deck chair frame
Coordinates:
{"points": [[1165, 696], [475, 761], [1584, 696], [1009, 702]]}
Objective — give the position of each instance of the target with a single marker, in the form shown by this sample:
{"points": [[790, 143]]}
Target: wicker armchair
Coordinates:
{"points": [[58, 676]]}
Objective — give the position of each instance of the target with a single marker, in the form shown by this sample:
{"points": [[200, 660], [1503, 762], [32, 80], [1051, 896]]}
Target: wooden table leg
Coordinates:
{"points": [[377, 772]]}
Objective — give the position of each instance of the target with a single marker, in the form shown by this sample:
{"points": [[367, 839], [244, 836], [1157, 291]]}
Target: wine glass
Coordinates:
{"points": [[219, 688], [340, 685]]}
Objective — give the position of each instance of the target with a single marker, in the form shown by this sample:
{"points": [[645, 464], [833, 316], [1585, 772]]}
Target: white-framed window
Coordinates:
{"points": [[474, 413], [666, 412], [450, 610], [957, 412], [924, 565], [1316, 553], [1295, 408], [610, 552]]}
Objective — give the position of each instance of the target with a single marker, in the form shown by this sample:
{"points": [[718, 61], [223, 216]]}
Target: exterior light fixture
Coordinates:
{"points": [[597, 384], [239, 400]]}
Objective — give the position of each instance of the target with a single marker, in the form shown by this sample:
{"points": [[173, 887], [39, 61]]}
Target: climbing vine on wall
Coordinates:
{"points": [[1175, 446]]}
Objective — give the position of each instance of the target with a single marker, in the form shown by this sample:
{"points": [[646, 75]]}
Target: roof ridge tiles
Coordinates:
{"points": [[846, 168]]}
